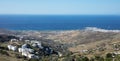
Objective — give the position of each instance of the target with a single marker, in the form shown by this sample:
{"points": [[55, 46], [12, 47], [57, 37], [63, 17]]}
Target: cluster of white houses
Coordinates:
{"points": [[25, 49]]}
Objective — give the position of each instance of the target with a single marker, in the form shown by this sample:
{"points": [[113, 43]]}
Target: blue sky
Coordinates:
{"points": [[99, 7]]}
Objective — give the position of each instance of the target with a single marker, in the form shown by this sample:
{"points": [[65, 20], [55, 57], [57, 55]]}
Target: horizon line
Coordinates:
{"points": [[61, 14]]}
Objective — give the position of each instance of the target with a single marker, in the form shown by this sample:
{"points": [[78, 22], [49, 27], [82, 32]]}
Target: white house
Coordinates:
{"points": [[11, 47], [20, 50], [27, 54], [31, 56], [38, 44]]}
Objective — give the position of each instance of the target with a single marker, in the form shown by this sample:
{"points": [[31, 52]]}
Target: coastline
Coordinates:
{"points": [[83, 29]]}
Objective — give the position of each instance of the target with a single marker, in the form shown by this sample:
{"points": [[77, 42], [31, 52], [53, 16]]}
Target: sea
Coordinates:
{"points": [[59, 22]]}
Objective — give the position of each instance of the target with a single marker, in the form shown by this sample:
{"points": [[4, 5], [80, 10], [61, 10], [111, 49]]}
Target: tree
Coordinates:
{"points": [[109, 55], [92, 59], [85, 59]]}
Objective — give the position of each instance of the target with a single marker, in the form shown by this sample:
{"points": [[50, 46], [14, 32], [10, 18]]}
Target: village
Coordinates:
{"points": [[31, 48]]}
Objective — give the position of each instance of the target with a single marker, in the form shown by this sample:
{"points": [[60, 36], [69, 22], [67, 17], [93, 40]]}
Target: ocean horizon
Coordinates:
{"points": [[59, 22]]}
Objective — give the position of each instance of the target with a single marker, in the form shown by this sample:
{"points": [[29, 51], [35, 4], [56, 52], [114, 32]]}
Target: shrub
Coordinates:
{"points": [[68, 58], [3, 48], [85, 59], [33, 59], [18, 56], [25, 58], [92, 59], [108, 59], [4, 52], [98, 58], [109, 55]]}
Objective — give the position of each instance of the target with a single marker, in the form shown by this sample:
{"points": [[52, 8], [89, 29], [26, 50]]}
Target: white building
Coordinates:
{"points": [[11, 47]]}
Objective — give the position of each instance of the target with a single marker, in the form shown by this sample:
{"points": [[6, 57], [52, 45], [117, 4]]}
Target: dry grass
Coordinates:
{"points": [[12, 54]]}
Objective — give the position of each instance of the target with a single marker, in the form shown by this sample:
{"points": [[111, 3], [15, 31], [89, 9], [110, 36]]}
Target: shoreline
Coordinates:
{"points": [[83, 29]]}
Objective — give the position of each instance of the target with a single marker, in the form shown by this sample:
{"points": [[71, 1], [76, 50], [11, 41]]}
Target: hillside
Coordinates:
{"points": [[83, 42]]}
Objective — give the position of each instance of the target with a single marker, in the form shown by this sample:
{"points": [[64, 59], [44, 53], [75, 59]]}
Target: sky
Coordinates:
{"points": [[60, 7]]}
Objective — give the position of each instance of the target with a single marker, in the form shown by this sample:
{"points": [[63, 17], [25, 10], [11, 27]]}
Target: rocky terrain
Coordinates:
{"points": [[73, 37], [76, 41]]}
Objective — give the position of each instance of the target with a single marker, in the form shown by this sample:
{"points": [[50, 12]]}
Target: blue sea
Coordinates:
{"points": [[59, 22]]}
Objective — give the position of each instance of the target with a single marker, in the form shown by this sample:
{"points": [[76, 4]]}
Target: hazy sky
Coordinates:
{"points": [[60, 7]]}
